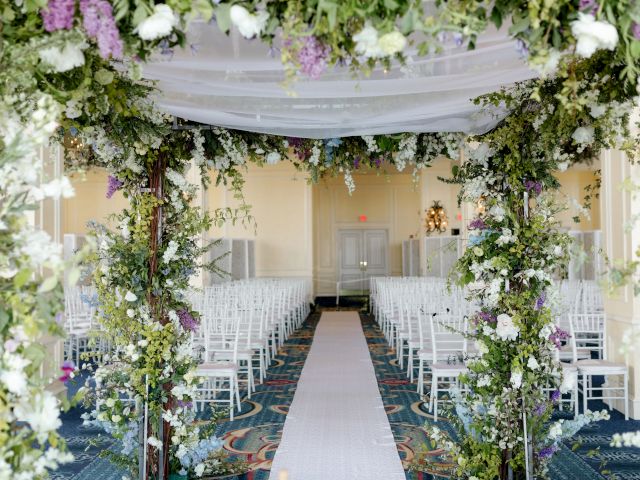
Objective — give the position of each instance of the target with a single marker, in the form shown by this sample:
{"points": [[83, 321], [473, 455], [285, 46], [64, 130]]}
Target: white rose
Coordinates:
{"points": [[516, 379], [130, 297], [367, 42], [568, 383], [58, 187], [69, 57], [249, 24], [392, 43], [199, 470], [116, 418], [532, 364], [159, 24], [583, 135], [562, 166], [131, 313], [596, 110], [15, 381], [110, 402], [273, 158], [505, 328], [593, 35]]}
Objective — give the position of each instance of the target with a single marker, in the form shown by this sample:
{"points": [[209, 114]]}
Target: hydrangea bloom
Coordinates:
{"points": [[313, 57], [113, 186]]}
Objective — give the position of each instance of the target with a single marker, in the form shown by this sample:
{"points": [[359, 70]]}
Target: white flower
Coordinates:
{"points": [[516, 379], [583, 135], [65, 59], [367, 42], [392, 43], [40, 412], [506, 237], [550, 65], [532, 364], [110, 402], [557, 251], [58, 187], [593, 34], [130, 296], [568, 383], [497, 212], [15, 381], [597, 110], [199, 470], [155, 443], [273, 158], [562, 166], [481, 347], [170, 253], [505, 328], [159, 24], [556, 430], [249, 24]]}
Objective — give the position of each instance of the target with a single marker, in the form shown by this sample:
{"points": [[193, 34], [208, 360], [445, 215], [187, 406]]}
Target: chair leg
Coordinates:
{"points": [[626, 395], [421, 378], [238, 394], [585, 392]]}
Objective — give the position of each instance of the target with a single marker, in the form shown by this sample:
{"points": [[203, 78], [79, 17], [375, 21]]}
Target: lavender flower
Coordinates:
{"points": [[540, 301], [539, 409], [547, 452], [588, 6], [187, 320], [477, 224], [113, 186], [313, 57], [555, 396], [485, 317], [559, 336], [531, 185], [100, 25], [58, 15], [635, 30]]}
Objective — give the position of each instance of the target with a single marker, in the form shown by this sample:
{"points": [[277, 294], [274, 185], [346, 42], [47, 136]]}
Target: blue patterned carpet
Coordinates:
{"points": [[255, 433]]}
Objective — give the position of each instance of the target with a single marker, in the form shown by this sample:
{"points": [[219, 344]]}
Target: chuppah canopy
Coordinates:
{"points": [[235, 83]]}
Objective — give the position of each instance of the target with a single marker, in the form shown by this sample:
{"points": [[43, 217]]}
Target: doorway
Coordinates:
{"points": [[362, 254]]}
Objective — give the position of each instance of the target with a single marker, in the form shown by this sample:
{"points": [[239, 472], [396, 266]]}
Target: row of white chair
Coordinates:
{"points": [[420, 315]]}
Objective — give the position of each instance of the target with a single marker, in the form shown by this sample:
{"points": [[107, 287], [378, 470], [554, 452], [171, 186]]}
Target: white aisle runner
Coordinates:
{"points": [[337, 428]]}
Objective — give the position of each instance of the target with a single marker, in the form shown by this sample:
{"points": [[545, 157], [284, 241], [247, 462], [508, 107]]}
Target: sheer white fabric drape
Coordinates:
{"points": [[236, 83]]}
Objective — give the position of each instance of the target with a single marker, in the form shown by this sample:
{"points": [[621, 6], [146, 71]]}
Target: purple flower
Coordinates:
{"points": [[530, 185], [187, 320], [539, 410], [477, 224], [547, 452], [313, 57], [484, 317], [58, 15], [589, 6], [183, 404], [458, 39], [540, 301], [555, 396], [635, 30], [356, 163], [68, 367], [378, 162], [299, 147], [113, 186], [559, 336], [100, 25]]}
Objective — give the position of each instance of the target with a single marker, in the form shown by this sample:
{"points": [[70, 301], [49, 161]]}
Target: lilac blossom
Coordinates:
{"points": [[187, 320], [589, 6], [555, 395], [113, 186], [559, 336], [547, 452], [299, 149], [539, 410], [635, 30], [313, 57], [58, 15], [540, 301], [485, 317], [477, 224], [534, 186], [100, 25]]}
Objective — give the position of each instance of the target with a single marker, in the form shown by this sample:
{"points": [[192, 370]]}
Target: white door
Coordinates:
{"points": [[362, 254]]}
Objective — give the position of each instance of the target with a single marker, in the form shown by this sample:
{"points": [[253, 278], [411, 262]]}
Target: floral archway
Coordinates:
{"points": [[70, 70]]}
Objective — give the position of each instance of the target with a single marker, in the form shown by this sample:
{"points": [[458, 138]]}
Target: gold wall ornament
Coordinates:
{"points": [[436, 219]]}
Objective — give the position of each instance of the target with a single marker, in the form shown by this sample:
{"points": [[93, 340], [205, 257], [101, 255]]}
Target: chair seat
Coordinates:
{"points": [[601, 367], [425, 354], [569, 368], [446, 369], [216, 369], [566, 353]]}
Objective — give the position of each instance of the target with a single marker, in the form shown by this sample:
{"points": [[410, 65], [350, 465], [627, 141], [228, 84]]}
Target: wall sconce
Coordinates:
{"points": [[436, 220]]}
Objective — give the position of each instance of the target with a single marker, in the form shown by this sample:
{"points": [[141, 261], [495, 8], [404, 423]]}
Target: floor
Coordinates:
{"points": [[256, 433]]}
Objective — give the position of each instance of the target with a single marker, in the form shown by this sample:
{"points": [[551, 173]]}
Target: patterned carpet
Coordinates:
{"points": [[255, 433]]}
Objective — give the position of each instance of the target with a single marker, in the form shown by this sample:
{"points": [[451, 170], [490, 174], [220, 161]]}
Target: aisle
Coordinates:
{"points": [[337, 427]]}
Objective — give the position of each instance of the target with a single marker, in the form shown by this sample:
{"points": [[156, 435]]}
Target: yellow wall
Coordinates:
{"points": [[389, 202], [90, 202], [280, 200], [573, 182]]}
